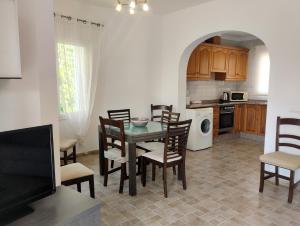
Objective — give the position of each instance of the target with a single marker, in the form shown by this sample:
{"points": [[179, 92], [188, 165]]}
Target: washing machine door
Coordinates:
{"points": [[205, 126]]}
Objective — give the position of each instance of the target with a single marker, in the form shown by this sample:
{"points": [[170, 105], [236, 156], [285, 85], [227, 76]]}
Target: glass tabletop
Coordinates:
{"points": [[151, 127]]}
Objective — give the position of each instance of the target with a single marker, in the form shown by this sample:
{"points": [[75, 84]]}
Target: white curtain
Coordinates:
{"points": [[78, 59]]}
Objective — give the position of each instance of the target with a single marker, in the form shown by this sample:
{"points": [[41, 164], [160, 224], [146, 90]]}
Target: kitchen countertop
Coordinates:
{"points": [[207, 104]]}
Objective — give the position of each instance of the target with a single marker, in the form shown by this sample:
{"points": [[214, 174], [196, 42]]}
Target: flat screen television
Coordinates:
{"points": [[26, 167]]}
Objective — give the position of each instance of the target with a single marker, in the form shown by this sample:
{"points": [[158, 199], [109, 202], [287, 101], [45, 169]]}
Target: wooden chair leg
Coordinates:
{"points": [[291, 187], [144, 171], [74, 154], [276, 175], [139, 165], [153, 171], [165, 181], [174, 170], [65, 158], [105, 172], [262, 177], [182, 166], [122, 178], [112, 162], [179, 174], [79, 187], [92, 187]]}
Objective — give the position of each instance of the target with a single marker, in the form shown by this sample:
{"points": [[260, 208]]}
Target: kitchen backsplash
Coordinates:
{"points": [[210, 90]]}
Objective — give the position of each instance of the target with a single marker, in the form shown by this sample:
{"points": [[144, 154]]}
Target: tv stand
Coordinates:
{"points": [[66, 207], [15, 214]]}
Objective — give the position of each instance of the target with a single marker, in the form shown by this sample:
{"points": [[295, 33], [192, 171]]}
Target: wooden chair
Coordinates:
{"points": [[166, 117], [281, 159], [65, 146], [159, 108], [76, 173], [172, 154], [122, 114], [116, 151]]}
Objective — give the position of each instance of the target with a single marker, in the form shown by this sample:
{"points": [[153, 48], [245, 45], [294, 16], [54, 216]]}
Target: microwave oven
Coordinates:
{"points": [[238, 96]]}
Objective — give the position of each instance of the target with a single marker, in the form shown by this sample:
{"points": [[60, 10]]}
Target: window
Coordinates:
{"points": [[264, 73], [69, 60]]}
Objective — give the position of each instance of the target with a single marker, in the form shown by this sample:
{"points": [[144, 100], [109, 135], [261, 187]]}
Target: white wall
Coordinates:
{"points": [[280, 34], [129, 66], [32, 100]]}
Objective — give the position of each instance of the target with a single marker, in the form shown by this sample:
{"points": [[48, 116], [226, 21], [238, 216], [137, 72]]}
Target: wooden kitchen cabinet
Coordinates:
{"points": [[228, 63], [193, 66], [242, 65], [263, 117], [238, 118], [199, 63], [216, 120], [251, 117], [254, 119], [232, 59], [219, 59]]}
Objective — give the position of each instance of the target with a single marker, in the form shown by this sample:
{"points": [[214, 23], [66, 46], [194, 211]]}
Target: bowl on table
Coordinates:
{"points": [[139, 122]]}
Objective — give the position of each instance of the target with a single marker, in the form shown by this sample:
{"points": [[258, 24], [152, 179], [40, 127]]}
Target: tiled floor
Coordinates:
{"points": [[222, 190]]}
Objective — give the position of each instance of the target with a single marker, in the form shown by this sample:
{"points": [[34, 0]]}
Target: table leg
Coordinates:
{"points": [[132, 169], [101, 154]]}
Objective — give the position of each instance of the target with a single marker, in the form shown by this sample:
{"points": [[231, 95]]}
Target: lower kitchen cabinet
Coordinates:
{"points": [[238, 118], [254, 119], [216, 121]]}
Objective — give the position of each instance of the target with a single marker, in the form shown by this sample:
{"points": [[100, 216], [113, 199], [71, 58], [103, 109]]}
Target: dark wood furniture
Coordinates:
{"points": [[159, 108], [173, 153], [116, 151], [133, 135], [121, 114], [65, 146], [76, 173], [64, 208], [281, 159]]}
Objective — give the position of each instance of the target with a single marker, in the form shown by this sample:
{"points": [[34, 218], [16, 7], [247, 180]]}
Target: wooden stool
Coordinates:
{"points": [[76, 173], [64, 147]]}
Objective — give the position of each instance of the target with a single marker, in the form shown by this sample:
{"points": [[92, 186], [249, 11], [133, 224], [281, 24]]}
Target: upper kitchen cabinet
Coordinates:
{"points": [[199, 63], [219, 59], [242, 65], [228, 63], [10, 65], [232, 59]]}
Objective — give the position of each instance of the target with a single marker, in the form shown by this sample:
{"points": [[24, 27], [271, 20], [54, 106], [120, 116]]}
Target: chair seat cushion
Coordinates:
{"points": [[282, 159], [152, 146], [159, 156], [74, 171], [67, 144], [115, 154]]}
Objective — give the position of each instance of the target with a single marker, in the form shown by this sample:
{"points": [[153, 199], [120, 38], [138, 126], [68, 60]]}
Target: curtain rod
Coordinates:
{"points": [[79, 20]]}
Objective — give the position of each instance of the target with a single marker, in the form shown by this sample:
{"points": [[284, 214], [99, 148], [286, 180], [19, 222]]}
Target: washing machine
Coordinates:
{"points": [[201, 132]]}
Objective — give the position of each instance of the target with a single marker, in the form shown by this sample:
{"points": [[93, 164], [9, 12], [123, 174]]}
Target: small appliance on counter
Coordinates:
{"points": [[225, 97], [238, 96]]}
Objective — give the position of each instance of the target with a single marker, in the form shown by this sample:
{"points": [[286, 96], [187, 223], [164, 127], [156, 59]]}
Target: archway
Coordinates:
{"points": [[182, 82]]}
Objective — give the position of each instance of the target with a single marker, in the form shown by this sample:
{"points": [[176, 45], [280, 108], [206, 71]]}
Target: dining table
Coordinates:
{"points": [[133, 135]]}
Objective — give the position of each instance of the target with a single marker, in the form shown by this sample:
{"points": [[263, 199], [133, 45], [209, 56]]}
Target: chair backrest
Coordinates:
{"points": [[279, 135], [122, 114], [176, 139], [167, 117], [159, 108], [110, 138]]}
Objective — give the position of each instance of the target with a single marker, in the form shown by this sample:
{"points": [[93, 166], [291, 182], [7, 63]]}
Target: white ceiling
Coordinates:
{"points": [[156, 6], [237, 36]]}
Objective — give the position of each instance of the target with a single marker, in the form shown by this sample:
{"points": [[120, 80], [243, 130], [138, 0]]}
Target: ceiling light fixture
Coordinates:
{"points": [[131, 5]]}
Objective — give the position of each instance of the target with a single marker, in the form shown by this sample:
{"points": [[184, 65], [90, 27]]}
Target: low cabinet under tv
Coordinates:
{"points": [[64, 208]]}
